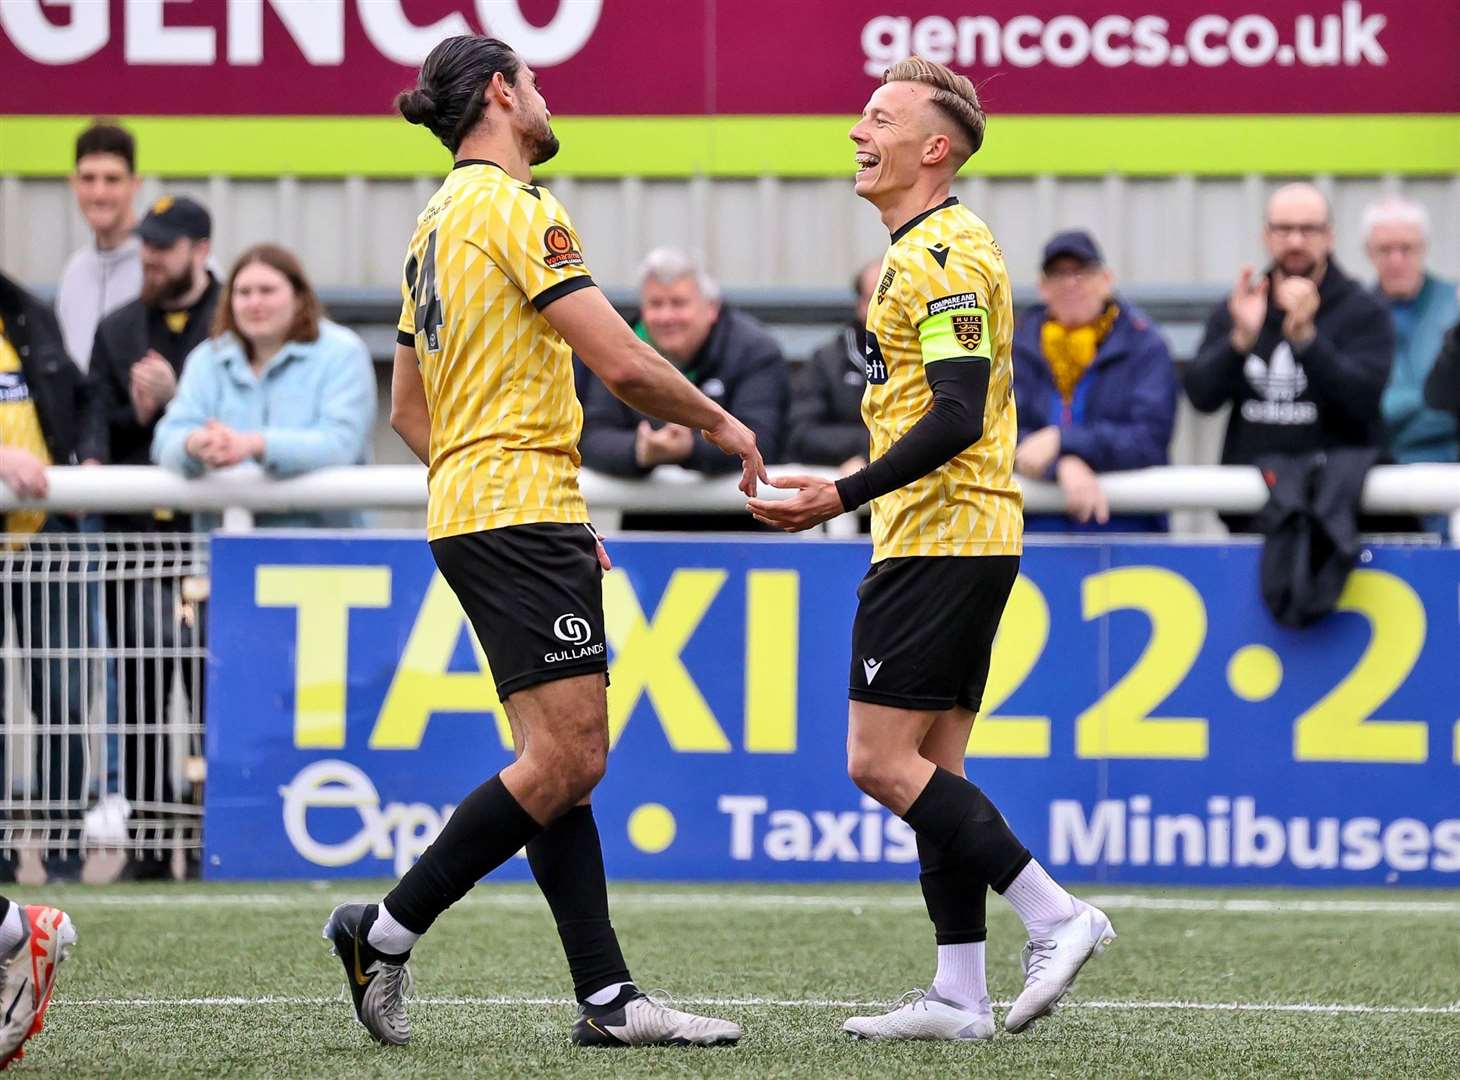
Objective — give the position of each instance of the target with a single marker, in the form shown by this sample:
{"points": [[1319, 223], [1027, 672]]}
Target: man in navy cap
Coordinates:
{"points": [[135, 364], [1094, 386]]}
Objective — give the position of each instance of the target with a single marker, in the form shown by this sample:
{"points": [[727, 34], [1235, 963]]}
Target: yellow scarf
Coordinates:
{"points": [[1070, 351]]}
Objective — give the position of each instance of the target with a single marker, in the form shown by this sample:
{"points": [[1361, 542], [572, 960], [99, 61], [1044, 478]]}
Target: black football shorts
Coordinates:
{"points": [[925, 628], [534, 595]]}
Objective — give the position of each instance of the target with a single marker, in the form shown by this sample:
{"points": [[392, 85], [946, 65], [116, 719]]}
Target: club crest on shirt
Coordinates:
{"points": [[885, 284], [561, 249], [968, 328]]}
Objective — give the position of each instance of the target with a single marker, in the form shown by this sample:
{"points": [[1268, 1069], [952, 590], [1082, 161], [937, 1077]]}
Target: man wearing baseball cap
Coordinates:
{"points": [[135, 363], [1094, 386]]}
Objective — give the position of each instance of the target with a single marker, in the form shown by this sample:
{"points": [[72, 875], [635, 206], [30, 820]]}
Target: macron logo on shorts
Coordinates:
{"points": [[870, 668]]}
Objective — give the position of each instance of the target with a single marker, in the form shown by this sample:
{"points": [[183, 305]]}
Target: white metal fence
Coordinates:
{"points": [[105, 634], [103, 671]]}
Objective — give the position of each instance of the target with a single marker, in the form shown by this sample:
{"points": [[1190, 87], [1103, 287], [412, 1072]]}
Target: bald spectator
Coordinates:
{"points": [[826, 426], [1423, 306], [1299, 351], [726, 353]]}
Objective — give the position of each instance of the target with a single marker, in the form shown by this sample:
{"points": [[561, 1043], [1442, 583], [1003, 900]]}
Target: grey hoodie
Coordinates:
{"points": [[95, 283]]}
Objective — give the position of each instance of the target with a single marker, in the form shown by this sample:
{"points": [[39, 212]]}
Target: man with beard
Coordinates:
{"points": [[1301, 352], [496, 299], [135, 362]]}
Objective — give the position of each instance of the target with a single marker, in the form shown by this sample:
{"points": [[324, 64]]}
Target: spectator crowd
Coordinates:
{"points": [[151, 354]]}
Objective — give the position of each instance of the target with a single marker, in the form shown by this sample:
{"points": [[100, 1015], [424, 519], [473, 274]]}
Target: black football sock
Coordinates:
{"points": [[957, 817], [487, 829], [567, 862], [956, 898]]}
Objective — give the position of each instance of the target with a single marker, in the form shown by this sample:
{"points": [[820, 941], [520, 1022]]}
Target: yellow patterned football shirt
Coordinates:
{"points": [[488, 254], [944, 294]]}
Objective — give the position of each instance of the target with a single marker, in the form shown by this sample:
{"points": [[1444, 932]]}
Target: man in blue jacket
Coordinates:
{"points": [[1423, 306], [1094, 387]]}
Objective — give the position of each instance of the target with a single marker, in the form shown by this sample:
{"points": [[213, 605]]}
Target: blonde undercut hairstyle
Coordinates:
{"points": [[952, 93]]}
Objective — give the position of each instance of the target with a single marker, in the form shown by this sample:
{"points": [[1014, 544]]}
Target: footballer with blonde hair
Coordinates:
{"points": [[947, 533]]}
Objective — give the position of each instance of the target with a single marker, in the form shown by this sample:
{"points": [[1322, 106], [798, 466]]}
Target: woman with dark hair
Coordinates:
{"points": [[277, 384]]}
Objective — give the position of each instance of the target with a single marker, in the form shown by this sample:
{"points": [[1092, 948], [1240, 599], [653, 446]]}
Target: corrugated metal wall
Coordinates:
{"points": [[1175, 230]]}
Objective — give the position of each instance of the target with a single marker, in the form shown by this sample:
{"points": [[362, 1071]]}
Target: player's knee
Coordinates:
{"points": [[870, 772]]}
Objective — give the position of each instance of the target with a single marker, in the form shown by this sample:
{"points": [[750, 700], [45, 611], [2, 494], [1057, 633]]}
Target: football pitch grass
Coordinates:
{"points": [[215, 980]]}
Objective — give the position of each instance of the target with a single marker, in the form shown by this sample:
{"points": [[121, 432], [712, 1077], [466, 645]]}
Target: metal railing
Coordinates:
{"points": [[103, 666], [103, 669], [238, 494]]}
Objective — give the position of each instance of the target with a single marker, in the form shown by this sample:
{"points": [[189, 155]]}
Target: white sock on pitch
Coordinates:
{"points": [[389, 936], [1040, 901], [12, 929], [960, 978], [607, 994]]}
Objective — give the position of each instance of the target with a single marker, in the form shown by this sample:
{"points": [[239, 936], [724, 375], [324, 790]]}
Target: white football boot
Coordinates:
{"points": [[919, 1015], [28, 976], [1050, 964], [639, 1019]]}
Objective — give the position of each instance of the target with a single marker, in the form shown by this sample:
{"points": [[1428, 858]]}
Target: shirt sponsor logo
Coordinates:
{"points": [[13, 387], [561, 250], [950, 303], [885, 284], [872, 355]]}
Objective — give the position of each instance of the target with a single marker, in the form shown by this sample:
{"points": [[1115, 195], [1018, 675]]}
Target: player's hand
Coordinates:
{"points": [[1036, 453], [733, 437], [1298, 298], [23, 473], [815, 501], [604, 561], [1248, 308], [1085, 499]]}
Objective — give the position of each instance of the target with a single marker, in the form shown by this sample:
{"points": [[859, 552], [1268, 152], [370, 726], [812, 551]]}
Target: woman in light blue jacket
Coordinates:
{"points": [[277, 384]]}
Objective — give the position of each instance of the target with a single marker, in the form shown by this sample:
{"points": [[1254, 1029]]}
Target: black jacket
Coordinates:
{"points": [[739, 366], [1287, 402], [56, 384], [1310, 530], [1442, 386], [112, 434], [825, 424]]}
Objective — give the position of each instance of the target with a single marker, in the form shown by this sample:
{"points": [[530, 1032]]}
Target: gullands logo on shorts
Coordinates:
{"points": [[575, 630]]}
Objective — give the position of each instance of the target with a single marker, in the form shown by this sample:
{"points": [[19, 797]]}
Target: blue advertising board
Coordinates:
{"points": [[1146, 720]]}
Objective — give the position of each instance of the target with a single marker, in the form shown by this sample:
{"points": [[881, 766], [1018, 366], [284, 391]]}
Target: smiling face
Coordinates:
{"points": [[891, 140], [104, 188], [678, 316], [265, 304]]}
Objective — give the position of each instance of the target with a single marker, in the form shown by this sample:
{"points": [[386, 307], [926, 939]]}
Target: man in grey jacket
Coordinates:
{"points": [[106, 273]]}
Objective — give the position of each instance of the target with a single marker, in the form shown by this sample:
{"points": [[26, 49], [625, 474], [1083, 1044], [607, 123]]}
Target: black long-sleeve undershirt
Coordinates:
{"points": [[951, 426]]}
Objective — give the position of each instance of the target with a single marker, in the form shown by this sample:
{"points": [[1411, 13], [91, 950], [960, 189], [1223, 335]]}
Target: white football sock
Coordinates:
{"points": [[12, 929], [1040, 901], [960, 979], [607, 994], [389, 936]]}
